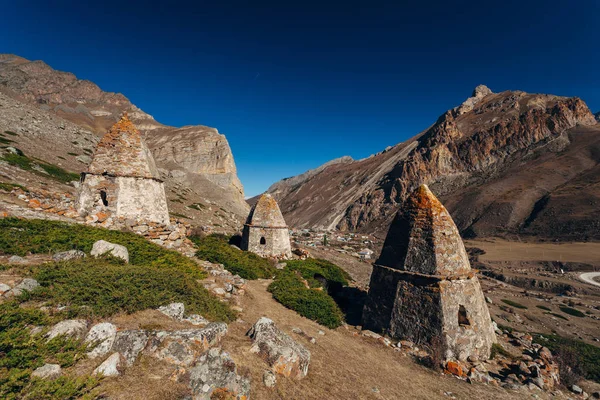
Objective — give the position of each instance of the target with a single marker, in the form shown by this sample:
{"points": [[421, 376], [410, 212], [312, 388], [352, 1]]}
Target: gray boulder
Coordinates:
{"points": [[4, 288], [130, 344], [16, 260], [47, 371], [196, 319], [102, 247], [173, 310], [216, 370], [74, 328], [110, 367], [104, 334], [26, 285], [184, 346], [281, 352], [68, 255]]}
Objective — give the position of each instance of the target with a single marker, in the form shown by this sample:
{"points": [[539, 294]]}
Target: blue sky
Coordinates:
{"points": [[295, 84]]}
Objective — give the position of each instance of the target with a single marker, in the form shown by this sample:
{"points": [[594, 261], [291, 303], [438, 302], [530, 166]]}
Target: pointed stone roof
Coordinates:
{"points": [[123, 152], [266, 213], [424, 239]]}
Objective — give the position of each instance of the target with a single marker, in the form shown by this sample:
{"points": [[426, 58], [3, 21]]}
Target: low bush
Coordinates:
{"points": [[23, 352], [585, 357], [313, 302], [216, 249], [572, 311], [27, 164], [7, 186], [23, 236], [514, 304], [105, 286]]}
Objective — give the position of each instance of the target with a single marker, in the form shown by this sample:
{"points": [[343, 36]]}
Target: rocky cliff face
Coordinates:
{"points": [[197, 158], [492, 160]]}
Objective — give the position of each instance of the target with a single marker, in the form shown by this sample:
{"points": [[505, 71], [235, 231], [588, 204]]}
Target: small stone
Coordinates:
{"points": [[75, 328], [321, 333], [371, 334], [26, 285], [130, 344], [116, 250], [219, 291], [16, 260], [488, 300], [47, 371], [104, 334], [68, 255], [110, 367], [576, 389], [196, 319], [173, 310], [596, 395], [4, 288], [454, 368], [269, 379]]}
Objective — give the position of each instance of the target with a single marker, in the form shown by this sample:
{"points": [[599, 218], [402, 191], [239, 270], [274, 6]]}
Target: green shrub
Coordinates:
{"points": [[107, 286], [11, 133], [289, 290], [588, 356], [514, 304], [216, 249], [572, 311], [27, 164], [6, 141], [72, 154], [10, 186], [558, 316], [23, 236], [314, 302], [544, 308], [22, 353]]}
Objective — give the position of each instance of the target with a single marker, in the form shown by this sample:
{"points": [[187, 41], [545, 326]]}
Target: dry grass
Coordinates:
{"points": [[502, 250]]}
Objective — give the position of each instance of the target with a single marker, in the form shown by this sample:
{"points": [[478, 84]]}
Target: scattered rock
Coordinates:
{"points": [[196, 319], [104, 334], [110, 367], [371, 334], [47, 371], [596, 395], [173, 310], [16, 260], [215, 377], [130, 344], [26, 285], [184, 346], [269, 379], [74, 328], [454, 368], [4, 288], [576, 389], [14, 150], [488, 300], [68, 255], [280, 351], [85, 159], [102, 247]]}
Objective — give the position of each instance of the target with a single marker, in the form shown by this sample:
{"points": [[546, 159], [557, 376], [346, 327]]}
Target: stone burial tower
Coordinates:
{"points": [[265, 232], [122, 181], [422, 286]]}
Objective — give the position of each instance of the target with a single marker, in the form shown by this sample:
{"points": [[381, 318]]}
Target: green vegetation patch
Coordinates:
{"points": [[544, 308], [216, 249], [558, 316], [514, 304], [106, 286], [197, 206], [179, 215], [572, 311], [4, 140], [23, 352], [588, 356], [8, 186], [498, 350], [72, 154], [11, 133], [313, 302], [23, 236], [27, 164]]}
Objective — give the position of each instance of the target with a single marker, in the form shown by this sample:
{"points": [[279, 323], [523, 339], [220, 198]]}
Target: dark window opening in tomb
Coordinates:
{"points": [[82, 177], [103, 198], [462, 316], [263, 240]]}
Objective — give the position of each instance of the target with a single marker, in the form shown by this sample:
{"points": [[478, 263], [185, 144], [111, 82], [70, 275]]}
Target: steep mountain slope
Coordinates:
{"points": [[502, 163], [196, 161]]}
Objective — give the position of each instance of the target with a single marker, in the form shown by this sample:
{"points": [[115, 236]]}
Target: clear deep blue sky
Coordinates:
{"points": [[295, 84]]}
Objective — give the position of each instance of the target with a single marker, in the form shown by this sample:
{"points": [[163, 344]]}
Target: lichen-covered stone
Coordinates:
{"points": [[110, 366], [26, 285], [116, 250], [103, 335], [173, 310], [265, 231], [422, 287], [130, 344], [68, 255], [281, 352], [215, 377], [74, 328], [47, 371]]}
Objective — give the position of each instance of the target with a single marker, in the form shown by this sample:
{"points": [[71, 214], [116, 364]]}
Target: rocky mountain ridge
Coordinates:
{"points": [[493, 160], [195, 161]]}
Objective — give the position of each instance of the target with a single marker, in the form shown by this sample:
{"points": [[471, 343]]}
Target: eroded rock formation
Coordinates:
{"points": [[423, 289]]}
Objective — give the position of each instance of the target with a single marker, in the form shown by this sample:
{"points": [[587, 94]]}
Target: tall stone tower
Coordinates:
{"points": [[422, 286], [122, 181], [265, 232]]}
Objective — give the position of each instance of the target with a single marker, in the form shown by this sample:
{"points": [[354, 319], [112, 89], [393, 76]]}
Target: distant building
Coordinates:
{"points": [[422, 287], [365, 254], [265, 232], [122, 181]]}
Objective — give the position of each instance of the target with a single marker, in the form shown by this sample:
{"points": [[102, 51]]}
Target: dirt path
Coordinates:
{"points": [[588, 277], [343, 365]]}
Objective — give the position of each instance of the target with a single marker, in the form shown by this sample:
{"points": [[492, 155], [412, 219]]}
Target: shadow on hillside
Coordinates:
{"points": [[351, 300]]}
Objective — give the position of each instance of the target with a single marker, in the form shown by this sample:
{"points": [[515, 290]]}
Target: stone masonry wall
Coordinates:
{"points": [[276, 241]]}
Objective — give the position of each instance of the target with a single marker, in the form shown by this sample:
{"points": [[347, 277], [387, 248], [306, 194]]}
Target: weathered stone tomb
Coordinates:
{"points": [[122, 181], [265, 231], [422, 286]]}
